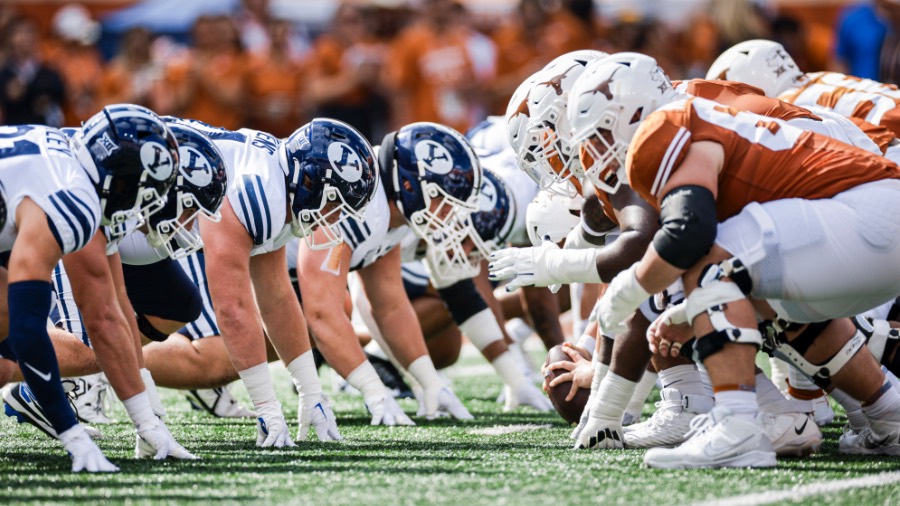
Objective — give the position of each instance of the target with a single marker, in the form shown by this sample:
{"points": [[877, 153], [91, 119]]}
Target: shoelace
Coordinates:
{"points": [[699, 425]]}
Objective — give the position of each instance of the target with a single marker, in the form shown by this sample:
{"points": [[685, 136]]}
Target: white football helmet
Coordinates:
{"points": [[761, 63], [605, 108], [552, 214], [539, 120]]}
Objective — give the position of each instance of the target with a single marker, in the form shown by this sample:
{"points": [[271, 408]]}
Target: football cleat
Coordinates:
{"points": [[86, 456], [21, 405], [671, 422], [629, 419], [821, 409], [717, 439], [526, 395], [881, 437], [87, 394], [218, 402], [792, 434]]}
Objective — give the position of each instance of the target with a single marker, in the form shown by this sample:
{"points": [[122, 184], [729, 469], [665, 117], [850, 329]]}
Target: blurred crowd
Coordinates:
{"points": [[381, 64]]}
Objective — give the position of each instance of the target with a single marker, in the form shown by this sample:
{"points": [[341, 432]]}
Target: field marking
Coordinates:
{"points": [[499, 430], [803, 491]]}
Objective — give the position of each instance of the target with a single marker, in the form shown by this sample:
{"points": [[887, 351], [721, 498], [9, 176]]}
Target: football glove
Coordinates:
{"points": [[622, 298], [386, 411], [315, 411], [155, 441], [272, 429], [86, 455]]}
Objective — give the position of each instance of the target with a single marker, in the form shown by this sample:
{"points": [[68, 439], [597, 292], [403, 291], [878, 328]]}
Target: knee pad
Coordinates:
{"points": [[881, 339], [712, 297], [820, 374], [149, 330]]}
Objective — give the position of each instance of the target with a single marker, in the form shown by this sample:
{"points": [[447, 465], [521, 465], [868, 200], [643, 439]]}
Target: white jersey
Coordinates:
{"points": [[135, 249], [491, 143], [36, 162], [369, 239], [256, 186]]}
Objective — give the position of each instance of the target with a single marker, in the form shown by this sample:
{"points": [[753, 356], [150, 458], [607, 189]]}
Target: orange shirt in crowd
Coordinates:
{"points": [[432, 76], [518, 49], [274, 91], [330, 57], [209, 89], [81, 69]]}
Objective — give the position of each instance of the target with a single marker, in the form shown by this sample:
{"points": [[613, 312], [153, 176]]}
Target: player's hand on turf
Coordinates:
{"points": [[526, 395], [272, 429], [600, 433], [523, 266], [155, 441], [315, 411], [579, 371], [86, 455], [668, 328], [386, 411], [622, 298], [450, 404]]}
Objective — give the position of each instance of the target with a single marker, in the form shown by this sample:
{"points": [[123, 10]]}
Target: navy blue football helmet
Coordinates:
{"points": [[496, 215], [199, 190], [432, 174], [132, 159], [331, 176]]}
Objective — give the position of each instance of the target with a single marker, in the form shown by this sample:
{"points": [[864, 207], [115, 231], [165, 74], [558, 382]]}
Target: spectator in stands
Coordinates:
{"points": [[889, 63], [132, 75], [208, 84], [429, 71], [72, 51], [344, 71], [275, 85], [859, 35], [30, 91], [532, 37]]}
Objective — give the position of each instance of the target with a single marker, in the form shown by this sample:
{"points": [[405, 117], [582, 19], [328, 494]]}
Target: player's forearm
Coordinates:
{"points": [[336, 339], [241, 331], [655, 274], [624, 251], [543, 308], [286, 327], [113, 345], [405, 340]]}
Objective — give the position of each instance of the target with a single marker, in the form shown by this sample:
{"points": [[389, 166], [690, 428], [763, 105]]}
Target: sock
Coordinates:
{"points": [[140, 411], [612, 397], [742, 403], [780, 370], [855, 416], [306, 377], [29, 305], [510, 370], [423, 370], [886, 407], [766, 391], [801, 387], [152, 393], [641, 392], [684, 378], [704, 377], [258, 383], [366, 380], [587, 342]]}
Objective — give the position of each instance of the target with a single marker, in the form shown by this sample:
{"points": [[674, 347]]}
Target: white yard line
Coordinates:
{"points": [[804, 491], [499, 430]]}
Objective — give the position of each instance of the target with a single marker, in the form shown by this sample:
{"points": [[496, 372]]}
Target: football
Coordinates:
{"points": [[569, 410]]}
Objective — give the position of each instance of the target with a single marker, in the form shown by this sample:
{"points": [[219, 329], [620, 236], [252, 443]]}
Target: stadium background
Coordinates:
{"points": [[378, 64]]}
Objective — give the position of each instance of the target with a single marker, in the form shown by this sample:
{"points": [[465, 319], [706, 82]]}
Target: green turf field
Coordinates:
{"points": [[438, 462]]}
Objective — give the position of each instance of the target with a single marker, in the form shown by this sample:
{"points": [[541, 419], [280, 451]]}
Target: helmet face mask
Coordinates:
{"points": [[331, 177], [491, 225], [603, 159], [132, 159]]}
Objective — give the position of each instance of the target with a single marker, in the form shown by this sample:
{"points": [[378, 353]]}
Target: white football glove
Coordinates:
{"points": [[386, 411], [600, 433], [526, 395], [435, 403], [622, 298], [155, 441], [315, 411], [86, 455], [544, 265], [272, 428]]}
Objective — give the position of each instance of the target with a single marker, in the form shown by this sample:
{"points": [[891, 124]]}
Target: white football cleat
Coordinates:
{"points": [[822, 412], [881, 437], [629, 419], [671, 421], [315, 411], [218, 402], [86, 455], [792, 434], [717, 439], [21, 405], [271, 428], [88, 396], [155, 441], [386, 411], [526, 395], [600, 433]]}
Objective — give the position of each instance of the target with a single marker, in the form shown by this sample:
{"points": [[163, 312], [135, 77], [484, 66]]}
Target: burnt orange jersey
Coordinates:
{"points": [[743, 97], [765, 158], [880, 135], [850, 96]]}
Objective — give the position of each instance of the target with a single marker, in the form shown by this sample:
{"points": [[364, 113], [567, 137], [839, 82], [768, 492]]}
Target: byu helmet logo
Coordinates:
{"points": [[488, 195], [157, 160], [195, 166], [434, 157], [345, 161]]}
